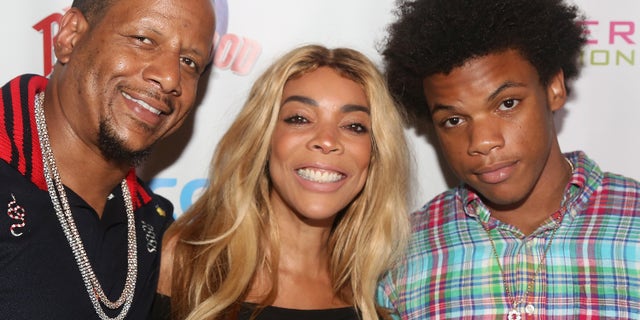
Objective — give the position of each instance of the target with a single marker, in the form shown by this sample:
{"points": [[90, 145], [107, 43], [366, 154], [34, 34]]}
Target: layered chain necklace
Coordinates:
{"points": [[514, 312], [63, 212]]}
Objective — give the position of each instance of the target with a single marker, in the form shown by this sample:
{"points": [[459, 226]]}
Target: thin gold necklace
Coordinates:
{"points": [[514, 312]]}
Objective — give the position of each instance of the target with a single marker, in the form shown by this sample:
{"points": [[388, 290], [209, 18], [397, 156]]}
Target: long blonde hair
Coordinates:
{"points": [[229, 233]]}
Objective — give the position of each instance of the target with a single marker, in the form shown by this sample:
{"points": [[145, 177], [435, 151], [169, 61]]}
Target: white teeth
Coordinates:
{"points": [[319, 176], [143, 104]]}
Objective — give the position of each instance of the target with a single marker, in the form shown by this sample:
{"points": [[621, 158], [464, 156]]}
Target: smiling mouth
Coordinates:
{"points": [[143, 104], [320, 176]]}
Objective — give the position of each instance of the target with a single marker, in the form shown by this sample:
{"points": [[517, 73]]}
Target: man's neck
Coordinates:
{"points": [[545, 199], [81, 165]]}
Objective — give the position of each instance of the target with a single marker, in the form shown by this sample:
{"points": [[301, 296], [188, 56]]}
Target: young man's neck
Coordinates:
{"points": [[544, 201]]}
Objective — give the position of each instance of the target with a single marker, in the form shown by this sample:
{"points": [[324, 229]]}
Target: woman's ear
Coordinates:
{"points": [[73, 26]]}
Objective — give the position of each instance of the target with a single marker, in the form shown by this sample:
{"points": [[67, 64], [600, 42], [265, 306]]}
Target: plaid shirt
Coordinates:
{"points": [[592, 268]]}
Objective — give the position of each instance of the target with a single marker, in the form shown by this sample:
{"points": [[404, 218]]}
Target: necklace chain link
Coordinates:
{"points": [[514, 313], [63, 212]]}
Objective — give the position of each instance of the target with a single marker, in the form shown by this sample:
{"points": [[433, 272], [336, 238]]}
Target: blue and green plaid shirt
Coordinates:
{"points": [[592, 268]]}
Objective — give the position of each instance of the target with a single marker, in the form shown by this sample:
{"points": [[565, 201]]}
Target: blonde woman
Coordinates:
{"points": [[307, 202]]}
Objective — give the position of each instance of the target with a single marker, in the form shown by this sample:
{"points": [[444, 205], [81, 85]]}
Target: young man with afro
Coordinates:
{"points": [[531, 232]]}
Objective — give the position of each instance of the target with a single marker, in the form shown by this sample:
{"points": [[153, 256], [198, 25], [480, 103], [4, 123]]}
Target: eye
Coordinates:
{"points": [[190, 63], [508, 104], [452, 122], [357, 128], [143, 39], [296, 119]]}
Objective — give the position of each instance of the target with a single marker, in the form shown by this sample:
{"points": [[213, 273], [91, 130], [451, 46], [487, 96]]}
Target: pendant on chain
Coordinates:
{"points": [[514, 314]]}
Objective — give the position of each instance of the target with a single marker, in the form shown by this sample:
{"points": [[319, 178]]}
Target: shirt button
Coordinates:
{"points": [[529, 309]]}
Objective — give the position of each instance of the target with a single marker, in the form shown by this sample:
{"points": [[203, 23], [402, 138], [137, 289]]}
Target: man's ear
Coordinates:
{"points": [[556, 91], [73, 26]]}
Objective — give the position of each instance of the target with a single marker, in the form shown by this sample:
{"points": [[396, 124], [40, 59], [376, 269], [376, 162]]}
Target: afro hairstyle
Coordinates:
{"points": [[436, 36]]}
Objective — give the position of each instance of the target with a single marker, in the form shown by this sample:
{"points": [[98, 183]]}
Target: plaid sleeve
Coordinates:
{"points": [[387, 294]]}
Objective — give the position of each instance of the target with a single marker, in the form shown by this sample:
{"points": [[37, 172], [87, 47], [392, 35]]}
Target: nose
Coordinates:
{"points": [[326, 140], [484, 136], [164, 72]]}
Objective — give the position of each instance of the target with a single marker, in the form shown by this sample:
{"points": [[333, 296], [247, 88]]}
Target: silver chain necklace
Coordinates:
{"points": [[63, 212], [514, 312]]}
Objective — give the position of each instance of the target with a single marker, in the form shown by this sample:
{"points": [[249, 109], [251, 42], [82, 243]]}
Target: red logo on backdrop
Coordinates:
{"points": [[232, 52], [46, 27]]}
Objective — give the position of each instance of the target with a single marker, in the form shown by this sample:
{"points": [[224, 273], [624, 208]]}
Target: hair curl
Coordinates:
{"points": [[436, 36], [229, 234]]}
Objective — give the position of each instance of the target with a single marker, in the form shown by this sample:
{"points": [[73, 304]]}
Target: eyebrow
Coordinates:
{"points": [[505, 86], [194, 51], [508, 84], [308, 101]]}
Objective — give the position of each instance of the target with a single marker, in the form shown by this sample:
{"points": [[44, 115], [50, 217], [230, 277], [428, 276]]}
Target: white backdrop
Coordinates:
{"points": [[600, 119]]}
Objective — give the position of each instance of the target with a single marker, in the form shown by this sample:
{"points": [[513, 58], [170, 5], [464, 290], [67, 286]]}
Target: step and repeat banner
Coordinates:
{"points": [[602, 118]]}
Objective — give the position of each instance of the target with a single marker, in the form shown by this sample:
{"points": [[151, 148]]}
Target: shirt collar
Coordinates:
{"points": [[586, 177]]}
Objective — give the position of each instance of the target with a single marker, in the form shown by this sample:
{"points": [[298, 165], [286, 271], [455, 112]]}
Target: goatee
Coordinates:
{"points": [[113, 148]]}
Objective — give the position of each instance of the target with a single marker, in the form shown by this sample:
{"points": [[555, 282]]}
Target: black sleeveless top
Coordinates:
{"points": [[278, 313], [162, 309]]}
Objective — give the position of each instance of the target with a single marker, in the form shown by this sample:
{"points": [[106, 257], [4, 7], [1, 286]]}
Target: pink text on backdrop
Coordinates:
{"points": [[236, 53], [619, 32]]}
